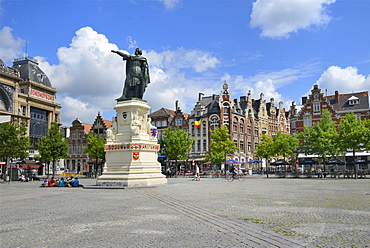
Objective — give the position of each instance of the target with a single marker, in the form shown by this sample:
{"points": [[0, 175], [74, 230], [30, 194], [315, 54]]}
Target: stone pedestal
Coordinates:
{"points": [[132, 148]]}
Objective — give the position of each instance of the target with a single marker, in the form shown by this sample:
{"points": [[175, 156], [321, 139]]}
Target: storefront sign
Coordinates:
{"points": [[41, 94]]}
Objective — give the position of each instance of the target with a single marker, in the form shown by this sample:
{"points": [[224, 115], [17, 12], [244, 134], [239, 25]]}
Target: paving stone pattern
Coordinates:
{"points": [[257, 212]]}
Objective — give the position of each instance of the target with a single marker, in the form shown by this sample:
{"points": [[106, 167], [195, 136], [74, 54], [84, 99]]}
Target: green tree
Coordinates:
{"points": [[13, 142], [353, 135], [264, 149], [220, 146], [53, 146], [284, 145], [175, 144], [321, 139], [95, 149]]}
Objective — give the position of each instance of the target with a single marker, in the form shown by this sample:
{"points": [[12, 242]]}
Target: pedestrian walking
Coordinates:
{"points": [[197, 173]]}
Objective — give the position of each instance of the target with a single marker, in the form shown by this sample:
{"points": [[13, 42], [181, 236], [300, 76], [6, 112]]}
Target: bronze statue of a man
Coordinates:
{"points": [[137, 75]]}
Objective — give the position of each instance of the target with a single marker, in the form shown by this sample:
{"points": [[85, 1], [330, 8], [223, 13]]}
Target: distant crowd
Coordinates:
{"points": [[68, 182]]}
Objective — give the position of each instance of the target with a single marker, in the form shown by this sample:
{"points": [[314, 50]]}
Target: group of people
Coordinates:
{"points": [[68, 182]]}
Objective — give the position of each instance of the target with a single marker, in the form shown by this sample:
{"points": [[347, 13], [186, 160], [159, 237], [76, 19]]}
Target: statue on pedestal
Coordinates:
{"points": [[137, 75]]}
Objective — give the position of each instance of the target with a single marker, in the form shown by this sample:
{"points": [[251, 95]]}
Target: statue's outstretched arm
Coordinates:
{"points": [[120, 53]]}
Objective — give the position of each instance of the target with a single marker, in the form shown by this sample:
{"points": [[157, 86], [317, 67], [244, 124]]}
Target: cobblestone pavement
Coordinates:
{"points": [[257, 212]]}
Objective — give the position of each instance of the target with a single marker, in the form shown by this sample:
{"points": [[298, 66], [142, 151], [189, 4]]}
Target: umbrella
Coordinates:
{"points": [[280, 162], [232, 161], [359, 161], [254, 161], [309, 161], [335, 161]]}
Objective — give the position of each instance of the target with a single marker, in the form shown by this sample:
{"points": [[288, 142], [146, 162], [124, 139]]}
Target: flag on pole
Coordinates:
{"points": [[197, 122]]}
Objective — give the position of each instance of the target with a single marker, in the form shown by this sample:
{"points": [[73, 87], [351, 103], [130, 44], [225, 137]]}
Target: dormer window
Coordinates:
{"points": [[353, 100]]}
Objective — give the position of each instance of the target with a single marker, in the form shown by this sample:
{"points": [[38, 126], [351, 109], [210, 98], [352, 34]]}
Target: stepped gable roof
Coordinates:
{"points": [[343, 103], [29, 70], [163, 112]]}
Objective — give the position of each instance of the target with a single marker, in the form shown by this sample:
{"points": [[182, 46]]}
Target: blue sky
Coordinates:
{"points": [[280, 48]]}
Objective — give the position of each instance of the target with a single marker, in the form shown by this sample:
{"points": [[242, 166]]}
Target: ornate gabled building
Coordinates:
{"points": [[26, 94], [204, 116], [247, 119], [100, 126], [164, 118], [78, 160], [338, 105], [77, 142]]}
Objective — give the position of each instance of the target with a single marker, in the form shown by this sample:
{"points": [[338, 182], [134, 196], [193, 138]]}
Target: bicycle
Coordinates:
{"points": [[231, 177]]}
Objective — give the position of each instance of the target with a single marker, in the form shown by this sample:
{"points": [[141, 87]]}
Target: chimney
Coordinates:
{"points": [[200, 96], [176, 105], [336, 96], [304, 100], [243, 99], [214, 96]]}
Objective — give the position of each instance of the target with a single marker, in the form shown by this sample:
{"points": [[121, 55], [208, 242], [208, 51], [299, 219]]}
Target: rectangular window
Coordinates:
{"points": [[307, 121], [178, 122], [164, 123], [316, 107]]}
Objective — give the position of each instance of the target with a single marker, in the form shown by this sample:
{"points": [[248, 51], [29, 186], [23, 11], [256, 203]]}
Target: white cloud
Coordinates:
{"points": [[131, 42], [171, 4], [182, 58], [11, 47], [73, 108], [345, 80], [279, 18], [88, 78], [88, 74]]}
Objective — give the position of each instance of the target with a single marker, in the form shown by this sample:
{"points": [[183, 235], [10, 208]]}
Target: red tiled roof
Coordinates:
{"points": [[107, 123], [87, 127]]}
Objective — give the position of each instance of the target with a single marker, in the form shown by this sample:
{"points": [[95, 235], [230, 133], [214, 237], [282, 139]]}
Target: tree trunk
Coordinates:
{"points": [[53, 168]]}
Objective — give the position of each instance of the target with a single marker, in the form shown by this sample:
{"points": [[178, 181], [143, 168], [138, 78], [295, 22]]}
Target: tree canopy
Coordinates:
{"points": [[321, 139], [13, 141], [354, 135], [284, 145], [263, 149], [53, 146], [175, 143], [220, 146], [95, 148]]}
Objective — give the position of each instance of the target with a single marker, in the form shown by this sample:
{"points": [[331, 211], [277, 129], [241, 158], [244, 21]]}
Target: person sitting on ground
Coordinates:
{"points": [[61, 183], [76, 183], [70, 182], [51, 182], [22, 178]]}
